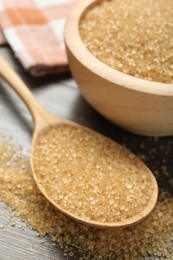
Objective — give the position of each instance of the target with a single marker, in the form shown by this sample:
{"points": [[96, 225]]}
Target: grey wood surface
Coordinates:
{"points": [[59, 93]]}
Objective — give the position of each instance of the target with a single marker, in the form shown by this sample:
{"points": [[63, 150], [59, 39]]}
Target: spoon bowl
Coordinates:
{"points": [[60, 146]]}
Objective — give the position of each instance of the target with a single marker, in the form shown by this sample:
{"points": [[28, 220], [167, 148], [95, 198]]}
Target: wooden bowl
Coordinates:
{"points": [[137, 105]]}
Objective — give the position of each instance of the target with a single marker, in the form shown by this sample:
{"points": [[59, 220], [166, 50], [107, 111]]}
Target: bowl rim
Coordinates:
{"points": [[74, 42]]}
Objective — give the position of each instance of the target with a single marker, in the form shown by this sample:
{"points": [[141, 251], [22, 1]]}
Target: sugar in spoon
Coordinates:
{"points": [[84, 174]]}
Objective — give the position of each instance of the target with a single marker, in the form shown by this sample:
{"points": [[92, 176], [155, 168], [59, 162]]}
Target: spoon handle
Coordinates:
{"points": [[40, 115]]}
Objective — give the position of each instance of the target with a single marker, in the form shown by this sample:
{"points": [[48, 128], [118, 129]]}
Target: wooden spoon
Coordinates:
{"points": [[44, 120]]}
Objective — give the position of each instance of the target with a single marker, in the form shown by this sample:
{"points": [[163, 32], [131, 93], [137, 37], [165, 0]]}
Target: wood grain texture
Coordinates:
{"points": [[60, 96]]}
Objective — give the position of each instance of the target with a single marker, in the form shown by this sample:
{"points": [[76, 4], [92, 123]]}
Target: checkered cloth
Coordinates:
{"points": [[34, 31]]}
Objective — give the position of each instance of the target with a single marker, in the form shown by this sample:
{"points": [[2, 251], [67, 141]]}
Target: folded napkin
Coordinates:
{"points": [[34, 31]]}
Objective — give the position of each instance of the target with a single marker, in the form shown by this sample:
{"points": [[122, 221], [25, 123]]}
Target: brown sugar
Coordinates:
{"points": [[134, 37], [151, 238], [89, 176]]}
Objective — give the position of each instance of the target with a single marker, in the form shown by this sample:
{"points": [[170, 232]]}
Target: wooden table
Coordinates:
{"points": [[59, 93]]}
